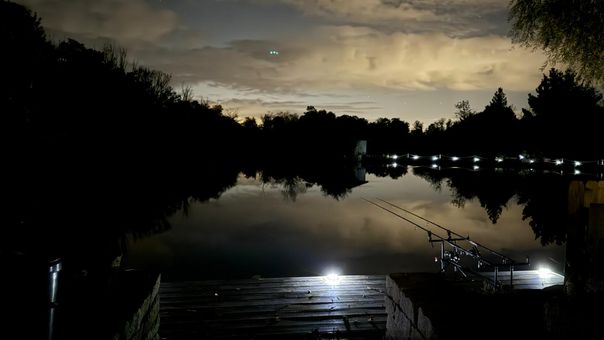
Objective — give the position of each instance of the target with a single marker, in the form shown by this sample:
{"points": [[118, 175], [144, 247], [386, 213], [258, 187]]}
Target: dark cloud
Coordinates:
{"points": [[458, 18], [125, 21], [349, 46]]}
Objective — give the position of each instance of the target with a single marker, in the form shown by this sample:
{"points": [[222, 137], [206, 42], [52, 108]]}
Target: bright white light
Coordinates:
{"points": [[434, 158], [498, 159], [476, 159], [332, 279], [394, 157], [434, 166], [416, 157], [559, 162], [544, 273], [454, 159], [577, 172], [531, 161], [577, 163], [394, 165], [521, 157], [476, 167]]}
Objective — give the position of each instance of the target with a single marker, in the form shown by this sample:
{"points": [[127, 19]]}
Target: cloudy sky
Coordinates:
{"points": [[412, 59]]}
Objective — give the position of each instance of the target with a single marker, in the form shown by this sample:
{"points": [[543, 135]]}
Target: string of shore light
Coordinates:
{"points": [[558, 163], [478, 159]]}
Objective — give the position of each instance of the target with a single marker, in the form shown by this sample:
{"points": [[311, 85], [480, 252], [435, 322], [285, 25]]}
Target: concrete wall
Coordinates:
{"points": [[405, 321], [144, 322]]}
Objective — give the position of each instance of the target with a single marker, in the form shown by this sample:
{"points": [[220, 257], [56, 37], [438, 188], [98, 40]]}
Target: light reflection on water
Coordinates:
{"points": [[258, 228]]}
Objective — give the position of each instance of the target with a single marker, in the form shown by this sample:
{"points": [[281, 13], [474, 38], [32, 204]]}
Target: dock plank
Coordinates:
{"points": [[296, 307]]}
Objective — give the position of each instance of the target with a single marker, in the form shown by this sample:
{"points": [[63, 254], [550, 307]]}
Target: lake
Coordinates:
{"points": [[296, 227]]}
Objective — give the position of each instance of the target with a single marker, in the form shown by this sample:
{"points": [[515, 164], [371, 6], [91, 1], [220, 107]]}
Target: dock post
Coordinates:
{"points": [[54, 269], [442, 256], [512, 276]]}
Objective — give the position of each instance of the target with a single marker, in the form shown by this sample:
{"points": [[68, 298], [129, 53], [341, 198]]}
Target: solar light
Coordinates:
{"points": [[332, 279], [544, 272]]}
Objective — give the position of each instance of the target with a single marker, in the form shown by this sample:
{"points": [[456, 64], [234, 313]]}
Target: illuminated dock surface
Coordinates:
{"points": [[528, 279], [349, 306]]}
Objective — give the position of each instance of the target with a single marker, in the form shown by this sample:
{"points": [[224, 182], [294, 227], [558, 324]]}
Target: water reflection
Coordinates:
{"points": [[278, 220], [275, 224], [543, 197], [335, 179], [284, 219]]}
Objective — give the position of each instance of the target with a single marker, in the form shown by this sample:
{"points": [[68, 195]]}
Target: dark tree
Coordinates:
{"points": [[388, 135], [489, 132], [499, 106], [565, 115], [23, 61], [464, 111], [568, 31], [418, 128]]}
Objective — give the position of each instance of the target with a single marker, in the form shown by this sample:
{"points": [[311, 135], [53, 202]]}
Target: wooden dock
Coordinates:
{"points": [[348, 307]]}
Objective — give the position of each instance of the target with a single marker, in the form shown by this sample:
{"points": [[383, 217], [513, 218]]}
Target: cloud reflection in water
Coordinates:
{"points": [[252, 230]]}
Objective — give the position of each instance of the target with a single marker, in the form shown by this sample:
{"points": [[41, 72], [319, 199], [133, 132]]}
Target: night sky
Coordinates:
{"points": [[412, 59]]}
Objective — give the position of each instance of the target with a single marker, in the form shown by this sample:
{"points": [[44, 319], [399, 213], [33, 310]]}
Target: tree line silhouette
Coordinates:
{"points": [[65, 101], [564, 119]]}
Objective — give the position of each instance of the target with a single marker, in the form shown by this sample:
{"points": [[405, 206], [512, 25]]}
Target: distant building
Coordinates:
{"points": [[360, 149]]}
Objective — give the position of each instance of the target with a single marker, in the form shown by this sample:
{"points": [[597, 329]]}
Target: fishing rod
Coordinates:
{"points": [[449, 240], [448, 258], [395, 214], [450, 232]]}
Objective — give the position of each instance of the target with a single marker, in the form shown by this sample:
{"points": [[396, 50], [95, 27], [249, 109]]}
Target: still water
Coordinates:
{"points": [[273, 229]]}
